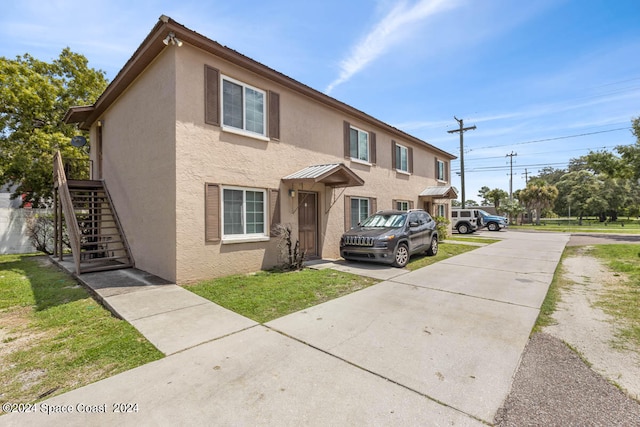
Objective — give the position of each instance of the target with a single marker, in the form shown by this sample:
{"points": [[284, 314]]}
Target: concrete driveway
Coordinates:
{"points": [[437, 346]]}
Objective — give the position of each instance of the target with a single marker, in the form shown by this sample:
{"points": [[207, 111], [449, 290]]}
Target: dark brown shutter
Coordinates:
{"points": [[347, 139], [274, 203], [212, 213], [211, 96], [373, 205], [410, 159], [394, 204], [436, 168], [446, 172], [393, 154], [410, 204], [274, 115], [372, 147], [347, 212]]}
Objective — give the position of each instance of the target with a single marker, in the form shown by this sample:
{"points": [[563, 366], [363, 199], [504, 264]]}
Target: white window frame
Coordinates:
{"points": [[357, 158], [244, 237], [441, 210], [244, 130], [400, 204], [360, 200], [404, 150], [440, 172]]}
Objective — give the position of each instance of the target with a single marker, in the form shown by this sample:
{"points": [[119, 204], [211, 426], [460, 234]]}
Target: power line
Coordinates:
{"points": [[507, 167], [554, 139]]}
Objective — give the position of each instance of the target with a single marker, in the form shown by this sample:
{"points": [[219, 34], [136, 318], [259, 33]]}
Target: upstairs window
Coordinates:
{"points": [[243, 107], [440, 171], [402, 158], [359, 144]]}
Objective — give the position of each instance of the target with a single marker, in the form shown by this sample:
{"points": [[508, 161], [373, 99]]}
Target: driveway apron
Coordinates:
{"points": [[453, 332]]}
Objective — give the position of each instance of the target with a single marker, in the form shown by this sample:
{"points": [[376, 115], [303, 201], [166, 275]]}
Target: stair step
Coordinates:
{"points": [[103, 259], [98, 223], [89, 269], [74, 184]]}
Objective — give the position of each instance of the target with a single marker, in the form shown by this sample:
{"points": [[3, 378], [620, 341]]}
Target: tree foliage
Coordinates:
{"points": [[34, 97], [496, 197], [538, 195]]}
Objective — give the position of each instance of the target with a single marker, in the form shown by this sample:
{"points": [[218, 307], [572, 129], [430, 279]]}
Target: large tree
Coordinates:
{"points": [[582, 193], [538, 195], [34, 96], [630, 154]]}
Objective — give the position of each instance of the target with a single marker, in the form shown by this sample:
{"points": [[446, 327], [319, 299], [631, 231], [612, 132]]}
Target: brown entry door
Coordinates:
{"points": [[308, 223]]}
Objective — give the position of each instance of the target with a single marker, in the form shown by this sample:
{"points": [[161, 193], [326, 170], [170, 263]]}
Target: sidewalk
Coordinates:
{"points": [[437, 346], [170, 317]]}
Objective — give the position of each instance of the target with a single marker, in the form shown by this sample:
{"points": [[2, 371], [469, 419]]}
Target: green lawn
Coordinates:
{"points": [[267, 295], [622, 300], [623, 226], [54, 336]]}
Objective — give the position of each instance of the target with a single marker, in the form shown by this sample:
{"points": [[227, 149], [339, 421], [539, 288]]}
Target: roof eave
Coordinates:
{"points": [[153, 45]]}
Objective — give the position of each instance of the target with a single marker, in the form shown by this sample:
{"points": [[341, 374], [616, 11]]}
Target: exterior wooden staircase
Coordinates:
{"points": [[94, 231]]}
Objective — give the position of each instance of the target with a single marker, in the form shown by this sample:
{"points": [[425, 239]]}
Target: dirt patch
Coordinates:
{"points": [[590, 331]]}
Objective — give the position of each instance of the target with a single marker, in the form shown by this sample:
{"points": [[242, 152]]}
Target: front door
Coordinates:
{"points": [[308, 223]]}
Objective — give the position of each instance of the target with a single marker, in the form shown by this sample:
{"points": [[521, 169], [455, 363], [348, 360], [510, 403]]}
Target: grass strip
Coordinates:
{"points": [[268, 295], [622, 300], [54, 336]]}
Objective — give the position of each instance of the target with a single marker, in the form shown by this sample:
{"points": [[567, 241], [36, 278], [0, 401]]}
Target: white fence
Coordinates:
{"points": [[13, 230]]}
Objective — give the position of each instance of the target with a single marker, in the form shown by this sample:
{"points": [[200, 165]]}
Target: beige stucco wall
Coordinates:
{"points": [[139, 165], [311, 134]]}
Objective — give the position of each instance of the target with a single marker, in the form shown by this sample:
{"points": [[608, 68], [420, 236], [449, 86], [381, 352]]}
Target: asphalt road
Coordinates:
{"points": [[582, 239]]}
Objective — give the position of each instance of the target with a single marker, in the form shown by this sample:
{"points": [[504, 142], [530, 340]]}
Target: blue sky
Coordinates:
{"points": [[548, 80]]}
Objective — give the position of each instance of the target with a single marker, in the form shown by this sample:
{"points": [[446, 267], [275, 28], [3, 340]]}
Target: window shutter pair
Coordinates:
{"points": [[212, 103], [212, 220], [346, 128]]}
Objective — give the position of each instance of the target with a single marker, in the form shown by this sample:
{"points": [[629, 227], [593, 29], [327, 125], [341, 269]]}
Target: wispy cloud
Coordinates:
{"points": [[390, 30]]}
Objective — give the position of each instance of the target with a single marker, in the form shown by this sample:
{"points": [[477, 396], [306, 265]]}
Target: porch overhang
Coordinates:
{"points": [[440, 192], [331, 175]]}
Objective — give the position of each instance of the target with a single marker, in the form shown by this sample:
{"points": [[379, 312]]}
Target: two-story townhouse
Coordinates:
{"points": [[203, 150]]}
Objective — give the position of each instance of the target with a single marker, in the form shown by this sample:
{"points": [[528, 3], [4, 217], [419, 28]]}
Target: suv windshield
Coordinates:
{"points": [[378, 220]]}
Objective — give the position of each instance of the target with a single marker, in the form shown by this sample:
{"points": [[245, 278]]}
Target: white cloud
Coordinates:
{"points": [[389, 31]]}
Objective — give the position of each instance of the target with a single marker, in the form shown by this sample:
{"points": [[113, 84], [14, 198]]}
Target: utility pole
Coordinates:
{"points": [[512, 155], [526, 176], [462, 130]]}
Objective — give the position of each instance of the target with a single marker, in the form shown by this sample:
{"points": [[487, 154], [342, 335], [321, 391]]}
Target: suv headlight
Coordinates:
{"points": [[382, 242]]}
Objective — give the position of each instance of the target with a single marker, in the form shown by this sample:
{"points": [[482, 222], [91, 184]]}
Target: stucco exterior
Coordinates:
{"points": [[159, 153]]}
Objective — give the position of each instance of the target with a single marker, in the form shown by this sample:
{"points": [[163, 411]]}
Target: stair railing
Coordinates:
{"points": [[73, 230]]}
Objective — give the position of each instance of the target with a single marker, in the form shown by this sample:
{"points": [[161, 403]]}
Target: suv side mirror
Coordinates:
{"points": [[413, 224]]}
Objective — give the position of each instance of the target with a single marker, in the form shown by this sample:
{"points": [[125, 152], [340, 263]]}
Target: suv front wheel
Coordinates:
{"points": [[401, 257], [433, 247]]}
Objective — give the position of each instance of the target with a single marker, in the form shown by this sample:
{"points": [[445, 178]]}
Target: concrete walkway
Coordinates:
{"points": [[437, 346]]}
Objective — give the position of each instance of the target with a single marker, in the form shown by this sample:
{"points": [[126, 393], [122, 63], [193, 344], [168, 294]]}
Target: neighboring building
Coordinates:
{"points": [[203, 150]]}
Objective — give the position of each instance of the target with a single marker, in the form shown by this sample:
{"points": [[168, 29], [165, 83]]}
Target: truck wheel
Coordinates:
{"points": [[463, 228], [492, 226]]}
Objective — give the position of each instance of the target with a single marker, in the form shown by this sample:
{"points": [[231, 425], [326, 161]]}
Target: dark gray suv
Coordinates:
{"points": [[391, 237]]}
